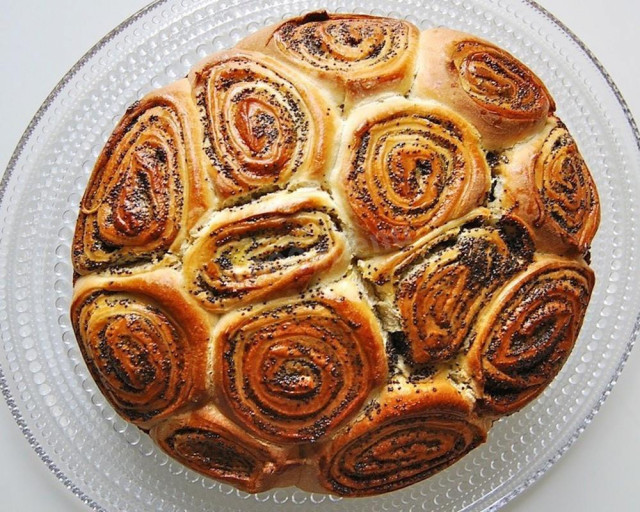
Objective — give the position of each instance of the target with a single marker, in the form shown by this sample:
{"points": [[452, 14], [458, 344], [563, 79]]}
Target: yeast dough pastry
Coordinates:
{"points": [[334, 255]]}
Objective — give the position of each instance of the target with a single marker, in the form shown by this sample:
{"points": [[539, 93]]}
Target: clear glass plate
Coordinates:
{"points": [[109, 464]]}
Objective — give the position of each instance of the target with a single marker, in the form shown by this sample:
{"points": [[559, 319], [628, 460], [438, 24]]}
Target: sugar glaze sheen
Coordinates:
{"points": [[332, 256]]}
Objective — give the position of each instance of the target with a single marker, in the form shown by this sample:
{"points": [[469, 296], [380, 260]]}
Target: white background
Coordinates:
{"points": [[41, 39]]}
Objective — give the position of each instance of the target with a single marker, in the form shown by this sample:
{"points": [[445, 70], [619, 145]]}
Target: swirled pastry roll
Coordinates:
{"points": [[439, 284], [526, 334], [354, 56], [147, 187], [145, 343], [547, 183], [413, 430], [209, 443], [264, 128], [333, 255], [405, 169], [296, 369], [279, 244], [496, 92]]}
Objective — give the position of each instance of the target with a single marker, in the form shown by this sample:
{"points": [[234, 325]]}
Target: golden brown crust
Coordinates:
{"points": [[355, 56], [547, 183], [147, 187], [413, 430], [407, 168], [496, 92], [440, 283], [263, 127], [144, 342], [282, 243], [207, 442], [296, 369], [332, 256], [526, 334]]}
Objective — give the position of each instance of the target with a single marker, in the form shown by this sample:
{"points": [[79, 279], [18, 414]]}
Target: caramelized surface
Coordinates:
{"points": [[332, 256]]}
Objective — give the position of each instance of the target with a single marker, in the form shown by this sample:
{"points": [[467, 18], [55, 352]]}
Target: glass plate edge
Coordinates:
{"points": [[24, 139]]}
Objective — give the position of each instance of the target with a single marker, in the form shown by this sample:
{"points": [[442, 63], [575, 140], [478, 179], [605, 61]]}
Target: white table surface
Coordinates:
{"points": [[44, 38]]}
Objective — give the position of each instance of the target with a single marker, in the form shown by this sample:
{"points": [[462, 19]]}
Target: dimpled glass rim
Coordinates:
{"points": [[145, 12]]}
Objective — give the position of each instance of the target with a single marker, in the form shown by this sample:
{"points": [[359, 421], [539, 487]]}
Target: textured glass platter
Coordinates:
{"points": [[109, 464]]}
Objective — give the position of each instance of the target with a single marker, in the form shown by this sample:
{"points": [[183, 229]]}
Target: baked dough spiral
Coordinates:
{"points": [[408, 167], [146, 187], [333, 255], [296, 369], [206, 441], [440, 283], [144, 342], [354, 55], [527, 333], [547, 183], [502, 97], [263, 128], [412, 431], [268, 247]]}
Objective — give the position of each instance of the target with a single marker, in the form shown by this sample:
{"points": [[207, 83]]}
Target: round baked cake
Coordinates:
{"points": [[334, 255]]}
